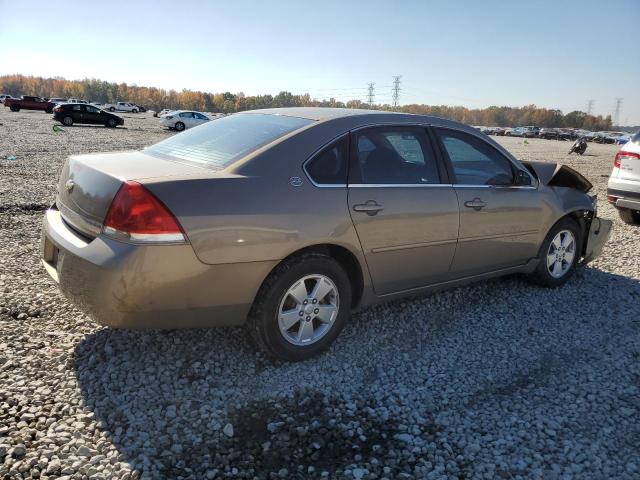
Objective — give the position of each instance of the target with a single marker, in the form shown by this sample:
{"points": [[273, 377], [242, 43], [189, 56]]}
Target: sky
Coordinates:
{"points": [[556, 54]]}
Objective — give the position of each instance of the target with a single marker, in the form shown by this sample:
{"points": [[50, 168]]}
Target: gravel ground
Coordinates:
{"points": [[498, 380]]}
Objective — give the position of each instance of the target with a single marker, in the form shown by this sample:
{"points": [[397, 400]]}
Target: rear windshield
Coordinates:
{"points": [[219, 143]]}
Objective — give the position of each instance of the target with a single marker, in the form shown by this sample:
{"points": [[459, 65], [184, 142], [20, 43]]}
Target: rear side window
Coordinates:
{"points": [[329, 167], [77, 107], [474, 161], [218, 144], [393, 155], [186, 115]]}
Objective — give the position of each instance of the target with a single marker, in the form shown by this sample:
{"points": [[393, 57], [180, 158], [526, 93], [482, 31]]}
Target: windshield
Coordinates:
{"points": [[220, 142]]}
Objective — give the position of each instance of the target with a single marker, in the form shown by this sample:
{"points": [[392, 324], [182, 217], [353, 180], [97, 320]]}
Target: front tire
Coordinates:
{"points": [[111, 123], [14, 108], [68, 121], [112, 109], [134, 111], [628, 216], [179, 126], [559, 254], [301, 307]]}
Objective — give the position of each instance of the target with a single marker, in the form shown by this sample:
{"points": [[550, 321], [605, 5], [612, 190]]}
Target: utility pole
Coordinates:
{"points": [[371, 94], [616, 115], [396, 90], [590, 106]]}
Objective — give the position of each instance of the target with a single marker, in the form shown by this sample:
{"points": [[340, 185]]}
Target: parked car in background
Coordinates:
{"points": [[620, 138], [603, 137], [164, 111], [141, 108], [70, 113], [27, 102], [58, 100], [623, 190], [549, 133], [498, 131], [3, 97], [526, 132], [229, 222], [182, 119], [121, 107], [75, 100]]}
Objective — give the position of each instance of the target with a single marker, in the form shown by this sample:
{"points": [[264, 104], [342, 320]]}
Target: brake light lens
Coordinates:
{"points": [[136, 215], [624, 155]]}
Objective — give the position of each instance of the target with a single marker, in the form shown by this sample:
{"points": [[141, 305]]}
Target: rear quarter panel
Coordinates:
{"points": [[250, 219]]}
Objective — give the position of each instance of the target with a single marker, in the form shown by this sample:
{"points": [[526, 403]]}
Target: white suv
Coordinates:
{"points": [[121, 107], [623, 189]]}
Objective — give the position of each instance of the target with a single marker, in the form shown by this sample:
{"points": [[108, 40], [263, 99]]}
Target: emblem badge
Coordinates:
{"points": [[295, 181]]}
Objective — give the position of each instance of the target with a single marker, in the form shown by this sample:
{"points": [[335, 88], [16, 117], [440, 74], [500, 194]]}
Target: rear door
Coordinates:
{"points": [[404, 210], [500, 220], [77, 112]]}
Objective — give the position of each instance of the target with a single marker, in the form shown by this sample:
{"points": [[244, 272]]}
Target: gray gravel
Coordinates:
{"points": [[498, 380]]}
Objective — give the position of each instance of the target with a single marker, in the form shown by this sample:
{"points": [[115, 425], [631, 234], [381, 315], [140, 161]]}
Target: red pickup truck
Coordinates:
{"points": [[29, 103]]}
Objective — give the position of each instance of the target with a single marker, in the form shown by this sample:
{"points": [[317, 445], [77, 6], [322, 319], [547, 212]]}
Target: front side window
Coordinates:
{"points": [[394, 155], [92, 109], [474, 161], [218, 144], [329, 167]]}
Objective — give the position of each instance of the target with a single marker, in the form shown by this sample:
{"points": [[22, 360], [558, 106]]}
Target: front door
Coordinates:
{"points": [[501, 210], [406, 217], [93, 115]]}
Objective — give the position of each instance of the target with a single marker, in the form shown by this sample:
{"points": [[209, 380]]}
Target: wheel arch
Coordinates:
{"points": [[345, 257], [583, 218]]}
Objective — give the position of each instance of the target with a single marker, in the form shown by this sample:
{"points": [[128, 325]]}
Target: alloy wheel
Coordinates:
{"points": [[561, 253], [308, 310]]}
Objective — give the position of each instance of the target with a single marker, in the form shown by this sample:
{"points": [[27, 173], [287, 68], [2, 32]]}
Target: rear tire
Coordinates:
{"points": [[179, 126], [303, 274], [49, 110], [68, 121], [134, 111], [112, 109], [559, 254], [628, 216]]}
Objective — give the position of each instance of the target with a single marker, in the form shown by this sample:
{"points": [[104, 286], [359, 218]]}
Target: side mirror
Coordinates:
{"points": [[523, 178]]}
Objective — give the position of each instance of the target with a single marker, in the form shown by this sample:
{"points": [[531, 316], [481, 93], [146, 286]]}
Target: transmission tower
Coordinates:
{"points": [[616, 114], [396, 90], [590, 106], [371, 93]]}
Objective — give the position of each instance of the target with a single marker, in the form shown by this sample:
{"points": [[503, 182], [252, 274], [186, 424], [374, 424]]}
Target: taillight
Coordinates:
{"points": [[624, 155], [136, 215], [57, 109]]}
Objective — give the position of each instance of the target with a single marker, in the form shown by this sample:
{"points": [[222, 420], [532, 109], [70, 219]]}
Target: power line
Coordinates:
{"points": [[371, 94], [396, 90], [590, 106], [616, 115]]}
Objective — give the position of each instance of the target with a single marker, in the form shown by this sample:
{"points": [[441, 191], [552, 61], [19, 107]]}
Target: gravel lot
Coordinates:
{"points": [[498, 380]]}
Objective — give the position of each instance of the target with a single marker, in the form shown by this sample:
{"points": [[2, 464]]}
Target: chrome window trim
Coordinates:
{"points": [[398, 185]]}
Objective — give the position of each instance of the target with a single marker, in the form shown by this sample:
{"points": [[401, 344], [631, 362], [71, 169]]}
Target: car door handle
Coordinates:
{"points": [[371, 207], [476, 204]]}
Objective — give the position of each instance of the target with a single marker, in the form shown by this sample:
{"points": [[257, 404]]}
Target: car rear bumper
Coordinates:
{"points": [[599, 233], [147, 286]]}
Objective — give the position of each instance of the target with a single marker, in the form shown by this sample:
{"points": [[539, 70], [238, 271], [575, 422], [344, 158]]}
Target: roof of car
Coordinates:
{"points": [[319, 113]]}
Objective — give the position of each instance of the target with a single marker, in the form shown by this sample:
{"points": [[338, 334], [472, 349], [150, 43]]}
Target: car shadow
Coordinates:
{"points": [[90, 125], [163, 398]]}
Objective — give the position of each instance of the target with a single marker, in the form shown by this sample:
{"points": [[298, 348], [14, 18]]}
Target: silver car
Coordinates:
{"points": [[288, 219], [623, 189]]}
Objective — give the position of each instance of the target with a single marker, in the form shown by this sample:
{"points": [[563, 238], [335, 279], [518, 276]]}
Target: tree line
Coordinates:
{"points": [[157, 98]]}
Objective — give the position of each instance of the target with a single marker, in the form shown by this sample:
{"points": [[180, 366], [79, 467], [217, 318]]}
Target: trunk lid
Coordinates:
{"points": [[88, 184]]}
